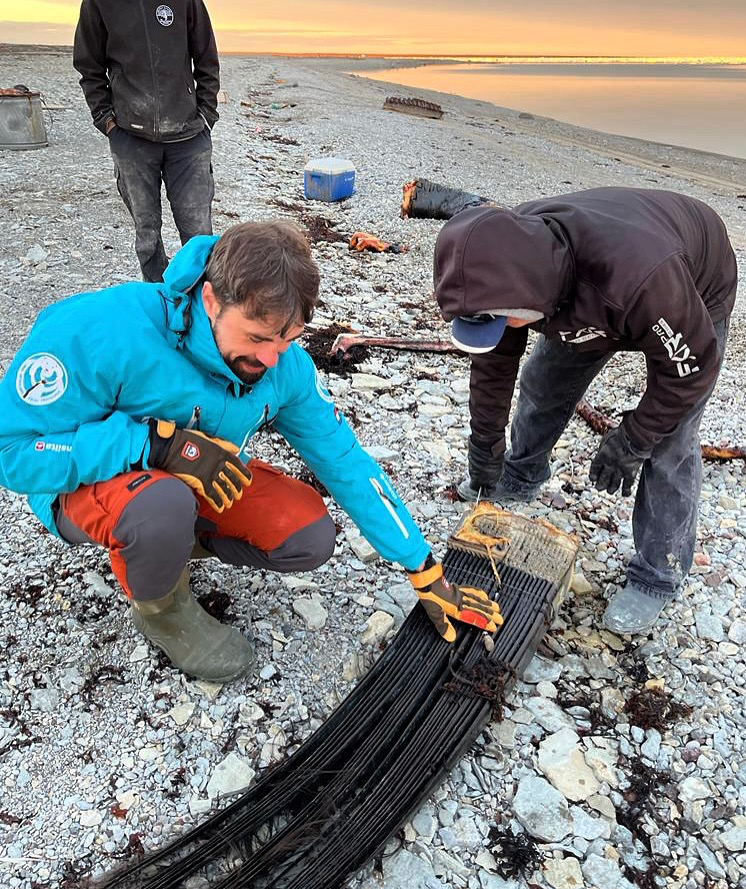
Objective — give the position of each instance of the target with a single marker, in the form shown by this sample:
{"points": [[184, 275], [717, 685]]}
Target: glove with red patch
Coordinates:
{"points": [[443, 600], [208, 465]]}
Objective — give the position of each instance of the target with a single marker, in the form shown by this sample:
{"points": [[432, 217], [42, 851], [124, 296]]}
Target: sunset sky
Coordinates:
{"points": [[463, 27]]}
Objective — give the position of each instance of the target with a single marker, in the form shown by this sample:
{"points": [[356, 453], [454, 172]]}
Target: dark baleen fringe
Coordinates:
{"points": [[324, 812]]}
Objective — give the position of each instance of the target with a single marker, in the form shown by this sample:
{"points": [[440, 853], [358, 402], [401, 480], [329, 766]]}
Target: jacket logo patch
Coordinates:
{"points": [[190, 451], [165, 15], [582, 335], [41, 379], [53, 446], [678, 351]]}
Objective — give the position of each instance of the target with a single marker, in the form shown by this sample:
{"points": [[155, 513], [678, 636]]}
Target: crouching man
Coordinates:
{"points": [[595, 272], [128, 419]]}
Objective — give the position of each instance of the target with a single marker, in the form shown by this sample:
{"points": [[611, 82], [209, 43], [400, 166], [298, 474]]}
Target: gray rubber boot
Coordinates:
{"points": [[195, 642], [199, 552], [630, 611], [497, 494]]}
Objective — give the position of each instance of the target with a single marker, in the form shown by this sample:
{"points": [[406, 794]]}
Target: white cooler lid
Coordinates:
{"points": [[330, 165]]}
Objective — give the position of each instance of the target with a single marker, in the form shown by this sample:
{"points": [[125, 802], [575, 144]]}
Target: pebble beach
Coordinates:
{"points": [[619, 762]]}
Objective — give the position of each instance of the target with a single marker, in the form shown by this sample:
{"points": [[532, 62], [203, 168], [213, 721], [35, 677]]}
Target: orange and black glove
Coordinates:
{"points": [[208, 465], [443, 600]]}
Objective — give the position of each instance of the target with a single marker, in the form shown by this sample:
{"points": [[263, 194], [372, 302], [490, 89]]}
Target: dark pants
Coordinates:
{"points": [[186, 170], [664, 521]]}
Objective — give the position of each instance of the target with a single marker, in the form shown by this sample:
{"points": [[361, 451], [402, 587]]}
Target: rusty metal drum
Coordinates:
{"points": [[21, 119]]}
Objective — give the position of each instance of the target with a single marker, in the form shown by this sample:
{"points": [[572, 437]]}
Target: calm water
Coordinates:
{"points": [[698, 106]]}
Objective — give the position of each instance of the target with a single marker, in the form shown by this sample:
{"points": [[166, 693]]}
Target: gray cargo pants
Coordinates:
{"points": [[185, 168], [664, 521]]}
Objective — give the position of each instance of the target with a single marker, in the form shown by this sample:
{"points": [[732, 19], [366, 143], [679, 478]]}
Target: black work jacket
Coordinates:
{"points": [[151, 66]]}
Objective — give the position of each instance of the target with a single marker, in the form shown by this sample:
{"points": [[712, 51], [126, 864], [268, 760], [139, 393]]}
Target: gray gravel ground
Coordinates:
{"points": [[103, 745]]}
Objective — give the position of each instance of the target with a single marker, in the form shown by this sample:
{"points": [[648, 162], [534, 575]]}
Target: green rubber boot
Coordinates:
{"points": [[195, 642]]}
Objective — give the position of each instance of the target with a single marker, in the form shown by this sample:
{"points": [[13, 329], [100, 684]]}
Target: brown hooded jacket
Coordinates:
{"points": [[611, 269]]}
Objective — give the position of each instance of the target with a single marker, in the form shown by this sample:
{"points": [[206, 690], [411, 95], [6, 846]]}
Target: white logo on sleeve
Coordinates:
{"points": [[678, 351], [165, 15], [41, 379]]}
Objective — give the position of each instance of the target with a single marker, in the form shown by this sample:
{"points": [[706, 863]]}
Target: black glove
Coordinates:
{"points": [[485, 467], [208, 465], [616, 462]]}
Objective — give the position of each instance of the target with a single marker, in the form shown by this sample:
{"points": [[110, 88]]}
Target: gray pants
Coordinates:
{"points": [[185, 168], [664, 522]]}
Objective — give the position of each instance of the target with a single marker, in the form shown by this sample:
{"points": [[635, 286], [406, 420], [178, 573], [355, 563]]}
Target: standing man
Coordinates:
{"points": [[128, 419], [150, 75], [596, 272]]}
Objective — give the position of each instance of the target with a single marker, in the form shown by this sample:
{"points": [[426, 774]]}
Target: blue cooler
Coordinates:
{"points": [[328, 179]]}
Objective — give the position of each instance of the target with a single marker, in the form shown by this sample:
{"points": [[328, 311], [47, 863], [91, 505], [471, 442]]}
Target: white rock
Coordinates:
{"points": [[90, 818], [362, 549], [693, 788], [181, 713], [734, 839], [295, 583], [198, 806], [378, 625], [562, 761], [563, 873], [312, 612], [232, 775], [149, 753], [140, 652], [368, 382], [542, 810], [549, 715]]}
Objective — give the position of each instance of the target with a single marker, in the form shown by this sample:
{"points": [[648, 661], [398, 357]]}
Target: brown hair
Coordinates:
{"points": [[267, 269]]}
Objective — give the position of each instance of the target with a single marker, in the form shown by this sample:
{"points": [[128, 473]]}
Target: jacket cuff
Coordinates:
{"points": [[639, 446]]}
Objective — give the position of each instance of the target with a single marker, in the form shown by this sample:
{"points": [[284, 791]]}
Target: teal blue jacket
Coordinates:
{"points": [[94, 366]]}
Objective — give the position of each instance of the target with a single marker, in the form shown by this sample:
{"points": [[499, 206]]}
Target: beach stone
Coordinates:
{"points": [[312, 612], [693, 788], [602, 755], [542, 810], [563, 873], [541, 670], [91, 818], [404, 870], [588, 827], [708, 626], [378, 625], [370, 382], [232, 775], [737, 632], [425, 823], [362, 549], [181, 713], [734, 839], [549, 715], [604, 873], [563, 763], [712, 865], [493, 881], [381, 452]]}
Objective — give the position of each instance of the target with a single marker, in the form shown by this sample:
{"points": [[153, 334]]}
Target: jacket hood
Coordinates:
{"points": [[189, 263], [489, 258]]}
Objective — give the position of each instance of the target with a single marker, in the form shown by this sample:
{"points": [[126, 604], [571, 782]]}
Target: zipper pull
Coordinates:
{"points": [[195, 418]]}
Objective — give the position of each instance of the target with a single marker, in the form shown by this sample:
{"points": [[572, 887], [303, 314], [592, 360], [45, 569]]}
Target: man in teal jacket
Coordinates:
{"points": [[128, 419]]}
